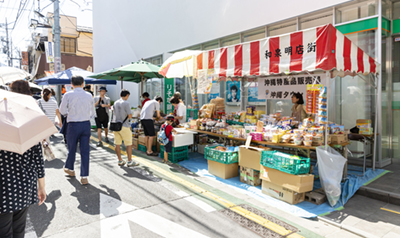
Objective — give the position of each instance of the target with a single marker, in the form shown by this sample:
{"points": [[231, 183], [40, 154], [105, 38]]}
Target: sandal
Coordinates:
{"points": [[152, 154]]}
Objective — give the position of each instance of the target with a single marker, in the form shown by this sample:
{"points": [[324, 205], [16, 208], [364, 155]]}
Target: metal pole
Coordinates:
{"points": [[8, 48], [378, 104], [11, 53], [57, 44]]}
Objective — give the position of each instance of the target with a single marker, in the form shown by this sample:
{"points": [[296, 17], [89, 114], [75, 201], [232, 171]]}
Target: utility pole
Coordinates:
{"points": [[57, 44], [11, 53], [8, 48]]}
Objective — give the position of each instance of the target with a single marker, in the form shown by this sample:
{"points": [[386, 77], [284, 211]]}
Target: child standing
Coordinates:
{"points": [[167, 126]]}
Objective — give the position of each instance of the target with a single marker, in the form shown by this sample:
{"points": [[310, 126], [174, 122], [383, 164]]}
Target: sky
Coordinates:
{"points": [[21, 34]]}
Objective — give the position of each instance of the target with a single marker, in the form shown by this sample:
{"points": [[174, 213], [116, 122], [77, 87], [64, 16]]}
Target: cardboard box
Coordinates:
{"points": [[337, 139], [142, 140], [282, 193], [250, 157], [297, 183], [250, 176], [363, 123], [224, 171], [194, 124], [135, 143]]}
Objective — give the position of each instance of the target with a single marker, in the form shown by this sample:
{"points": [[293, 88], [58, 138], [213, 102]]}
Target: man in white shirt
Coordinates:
{"points": [[146, 119], [78, 106]]}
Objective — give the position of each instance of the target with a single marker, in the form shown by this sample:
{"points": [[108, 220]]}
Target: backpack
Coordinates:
{"points": [[162, 137]]}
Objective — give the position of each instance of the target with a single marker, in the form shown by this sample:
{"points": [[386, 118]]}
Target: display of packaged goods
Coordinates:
{"points": [[257, 136], [287, 163]]}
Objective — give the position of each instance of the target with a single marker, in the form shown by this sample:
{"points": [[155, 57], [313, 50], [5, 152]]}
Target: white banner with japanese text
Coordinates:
{"points": [[283, 87], [49, 48]]}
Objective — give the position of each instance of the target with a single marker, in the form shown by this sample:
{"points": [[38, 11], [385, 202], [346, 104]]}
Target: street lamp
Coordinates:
{"points": [[35, 24]]}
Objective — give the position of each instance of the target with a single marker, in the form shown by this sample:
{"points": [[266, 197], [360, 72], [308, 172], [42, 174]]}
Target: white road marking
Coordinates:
{"points": [[29, 229], [195, 201], [114, 222]]}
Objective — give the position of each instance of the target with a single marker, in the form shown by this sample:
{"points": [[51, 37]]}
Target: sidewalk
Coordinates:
{"points": [[385, 188], [374, 211]]}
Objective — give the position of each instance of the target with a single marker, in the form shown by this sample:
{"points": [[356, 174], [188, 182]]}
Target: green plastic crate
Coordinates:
{"points": [[192, 113], [229, 122], [144, 149], [287, 163], [179, 154], [219, 156]]}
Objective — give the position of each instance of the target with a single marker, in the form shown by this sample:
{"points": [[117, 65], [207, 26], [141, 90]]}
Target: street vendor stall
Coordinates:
{"points": [[301, 63]]}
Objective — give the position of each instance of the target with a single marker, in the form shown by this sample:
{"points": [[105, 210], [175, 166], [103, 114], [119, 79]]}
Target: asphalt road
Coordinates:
{"points": [[127, 202]]}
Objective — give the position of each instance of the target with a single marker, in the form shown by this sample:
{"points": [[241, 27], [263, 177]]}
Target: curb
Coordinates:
{"points": [[348, 228], [381, 195]]}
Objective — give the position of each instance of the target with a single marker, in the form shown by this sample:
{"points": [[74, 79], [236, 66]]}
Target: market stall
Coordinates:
{"points": [[305, 63]]}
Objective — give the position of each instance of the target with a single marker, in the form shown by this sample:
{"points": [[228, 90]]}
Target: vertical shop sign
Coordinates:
{"points": [[253, 93], [214, 93], [168, 93]]}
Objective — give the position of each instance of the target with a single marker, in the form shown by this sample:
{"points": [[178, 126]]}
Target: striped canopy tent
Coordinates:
{"points": [[322, 48]]}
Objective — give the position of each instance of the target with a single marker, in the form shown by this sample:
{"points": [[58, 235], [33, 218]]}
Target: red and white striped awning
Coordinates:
{"points": [[322, 48]]}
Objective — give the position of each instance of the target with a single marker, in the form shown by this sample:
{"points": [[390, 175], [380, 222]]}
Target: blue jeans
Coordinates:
{"points": [[78, 131]]}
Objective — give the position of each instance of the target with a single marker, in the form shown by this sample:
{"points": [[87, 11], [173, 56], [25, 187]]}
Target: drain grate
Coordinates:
{"points": [[254, 226]]}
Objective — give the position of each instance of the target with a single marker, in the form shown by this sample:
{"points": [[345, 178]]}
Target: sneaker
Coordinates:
{"points": [[121, 162], [99, 144], [106, 140], [69, 172], [132, 163], [84, 181]]}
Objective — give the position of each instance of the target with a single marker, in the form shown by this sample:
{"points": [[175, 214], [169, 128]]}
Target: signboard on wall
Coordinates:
{"points": [[24, 58], [214, 92], [204, 81], [283, 87], [233, 91], [253, 93], [168, 93], [49, 48]]}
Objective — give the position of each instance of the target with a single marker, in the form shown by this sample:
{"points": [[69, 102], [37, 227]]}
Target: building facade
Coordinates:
{"points": [[154, 33], [76, 47]]}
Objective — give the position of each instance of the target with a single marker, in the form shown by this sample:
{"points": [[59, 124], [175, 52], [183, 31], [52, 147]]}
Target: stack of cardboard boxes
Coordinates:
{"points": [[365, 127], [286, 187], [249, 162]]}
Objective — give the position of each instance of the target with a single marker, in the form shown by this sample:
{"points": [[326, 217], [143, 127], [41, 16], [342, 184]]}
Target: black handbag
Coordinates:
{"points": [[116, 126]]}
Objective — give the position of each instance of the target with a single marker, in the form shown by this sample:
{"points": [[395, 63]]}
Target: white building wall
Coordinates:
{"points": [[128, 30]]}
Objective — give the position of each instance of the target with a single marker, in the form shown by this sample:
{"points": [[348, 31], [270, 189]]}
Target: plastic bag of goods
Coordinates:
{"points": [[330, 168]]}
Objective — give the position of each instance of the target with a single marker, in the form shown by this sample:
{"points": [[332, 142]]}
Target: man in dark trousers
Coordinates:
{"points": [[78, 105], [102, 104]]}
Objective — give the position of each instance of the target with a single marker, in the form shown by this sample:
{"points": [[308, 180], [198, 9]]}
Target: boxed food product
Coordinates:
{"points": [[250, 176], [282, 193], [194, 124], [363, 123], [142, 139], [366, 131], [298, 183], [221, 170]]}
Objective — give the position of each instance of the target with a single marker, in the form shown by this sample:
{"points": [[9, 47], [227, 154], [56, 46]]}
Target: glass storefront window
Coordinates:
{"points": [[387, 9], [356, 11], [316, 20], [396, 10], [366, 41], [233, 40], [283, 28], [211, 45], [254, 35]]}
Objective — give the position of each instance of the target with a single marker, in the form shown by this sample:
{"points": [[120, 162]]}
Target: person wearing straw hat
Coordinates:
{"points": [[78, 106], [102, 104]]}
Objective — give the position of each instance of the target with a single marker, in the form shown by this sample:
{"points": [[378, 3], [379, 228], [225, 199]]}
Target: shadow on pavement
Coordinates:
{"points": [[141, 173], [46, 214], [54, 164], [88, 196]]}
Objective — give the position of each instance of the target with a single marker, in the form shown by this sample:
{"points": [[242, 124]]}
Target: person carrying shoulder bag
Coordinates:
{"points": [[122, 132]]}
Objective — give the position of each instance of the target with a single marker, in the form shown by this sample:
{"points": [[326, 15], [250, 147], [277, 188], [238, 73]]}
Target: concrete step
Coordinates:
{"points": [[381, 195]]}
